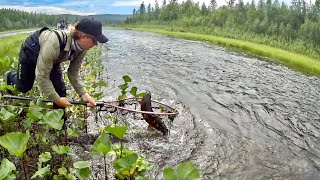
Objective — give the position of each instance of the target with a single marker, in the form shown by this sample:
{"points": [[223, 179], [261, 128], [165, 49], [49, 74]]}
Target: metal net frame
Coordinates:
{"points": [[127, 112]]}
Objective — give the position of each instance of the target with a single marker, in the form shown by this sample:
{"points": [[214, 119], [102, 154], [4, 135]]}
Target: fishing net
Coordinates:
{"points": [[127, 112]]}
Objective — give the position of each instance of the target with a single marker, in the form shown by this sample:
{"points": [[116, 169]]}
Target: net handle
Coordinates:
{"points": [[108, 103], [104, 103]]}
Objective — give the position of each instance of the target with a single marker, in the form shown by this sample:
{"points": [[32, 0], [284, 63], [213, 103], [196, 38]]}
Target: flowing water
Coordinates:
{"points": [[240, 117]]}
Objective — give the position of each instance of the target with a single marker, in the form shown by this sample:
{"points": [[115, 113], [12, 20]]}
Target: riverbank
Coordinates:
{"points": [[307, 65]]}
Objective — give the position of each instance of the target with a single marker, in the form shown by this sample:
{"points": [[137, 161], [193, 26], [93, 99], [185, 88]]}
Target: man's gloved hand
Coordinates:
{"points": [[63, 102], [90, 101]]}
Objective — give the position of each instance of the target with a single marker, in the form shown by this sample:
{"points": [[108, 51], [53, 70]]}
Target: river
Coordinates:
{"points": [[240, 117]]}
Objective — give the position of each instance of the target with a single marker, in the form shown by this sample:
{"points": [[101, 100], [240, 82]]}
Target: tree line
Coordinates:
{"points": [[12, 19], [293, 27]]}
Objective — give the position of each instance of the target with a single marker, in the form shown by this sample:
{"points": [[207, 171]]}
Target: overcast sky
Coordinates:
{"points": [[83, 7], [89, 7]]}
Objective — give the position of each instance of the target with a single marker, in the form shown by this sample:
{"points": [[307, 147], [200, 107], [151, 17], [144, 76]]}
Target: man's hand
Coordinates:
{"points": [[63, 102], [90, 101]]}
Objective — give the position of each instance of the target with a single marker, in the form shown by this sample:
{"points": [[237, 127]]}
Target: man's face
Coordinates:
{"points": [[86, 41]]}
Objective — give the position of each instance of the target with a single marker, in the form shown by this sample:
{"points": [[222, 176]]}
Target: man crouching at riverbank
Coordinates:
{"points": [[43, 51]]}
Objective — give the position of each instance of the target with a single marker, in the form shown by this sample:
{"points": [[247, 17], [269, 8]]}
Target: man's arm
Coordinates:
{"points": [[47, 55], [74, 74]]}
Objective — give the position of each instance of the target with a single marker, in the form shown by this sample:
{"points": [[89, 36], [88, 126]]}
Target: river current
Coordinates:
{"points": [[240, 117]]}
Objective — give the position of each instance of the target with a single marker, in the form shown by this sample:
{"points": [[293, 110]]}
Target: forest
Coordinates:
{"points": [[12, 19], [293, 27]]}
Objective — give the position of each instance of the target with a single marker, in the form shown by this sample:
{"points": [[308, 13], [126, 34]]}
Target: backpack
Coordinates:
{"points": [[62, 26], [32, 47]]}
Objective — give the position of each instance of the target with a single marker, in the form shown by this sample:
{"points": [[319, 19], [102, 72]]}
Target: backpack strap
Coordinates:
{"points": [[62, 41], [43, 29], [31, 45]]}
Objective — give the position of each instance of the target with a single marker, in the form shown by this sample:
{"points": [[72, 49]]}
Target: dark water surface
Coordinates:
{"points": [[240, 118]]}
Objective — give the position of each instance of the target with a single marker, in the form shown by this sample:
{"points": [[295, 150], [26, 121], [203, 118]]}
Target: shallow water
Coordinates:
{"points": [[240, 117]]}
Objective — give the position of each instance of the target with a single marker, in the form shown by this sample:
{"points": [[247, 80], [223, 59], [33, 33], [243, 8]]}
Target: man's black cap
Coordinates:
{"points": [[93, 28]]}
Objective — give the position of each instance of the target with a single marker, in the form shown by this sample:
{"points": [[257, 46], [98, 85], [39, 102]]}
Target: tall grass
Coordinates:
{"points": [[10, 46], [9, 52]]}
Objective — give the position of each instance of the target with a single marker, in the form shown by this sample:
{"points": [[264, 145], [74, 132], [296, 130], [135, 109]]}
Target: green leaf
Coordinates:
{"points": [[101, 83], [53, 119], [125, 163], [102, 145], [39, 103], [142, 164], [123, 87], [82, 164], [122, 97], [118, 131], [63, 171], [120, 176], [7, 116], [97, 95], [6, 169], [62, 149], [72, 132], [11, 177], [35, 113], [140, 95], [126, 78], [133, 91], [187, 170], [45, 139], [7, 87], [12, 109], [169, 174], [15, 142], [83, 174], [27, 122], [45, 157], [41, 172]]}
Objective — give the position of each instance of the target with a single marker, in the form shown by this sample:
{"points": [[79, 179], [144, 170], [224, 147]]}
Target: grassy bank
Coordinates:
{"points": [[10, 46], [9, 52], [302, 63]]}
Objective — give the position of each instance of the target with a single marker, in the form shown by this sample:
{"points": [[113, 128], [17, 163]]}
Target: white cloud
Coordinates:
{"points": [[152, 2], [76, 3], [47, 10], [127, 3]]}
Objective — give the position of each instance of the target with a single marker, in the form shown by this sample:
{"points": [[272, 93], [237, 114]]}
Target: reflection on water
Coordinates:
{"points": [[252, 119]]}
